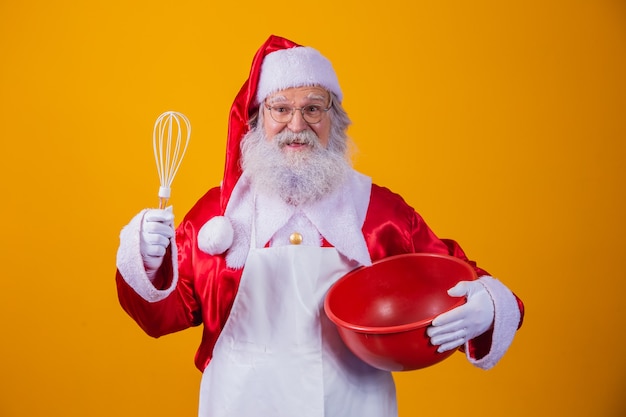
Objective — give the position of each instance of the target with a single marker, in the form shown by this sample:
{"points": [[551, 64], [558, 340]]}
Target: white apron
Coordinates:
{"points": [[280, 356]]}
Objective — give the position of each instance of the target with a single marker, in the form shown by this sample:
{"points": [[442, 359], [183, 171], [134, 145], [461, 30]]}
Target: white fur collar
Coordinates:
{"points": [[338, 218]]}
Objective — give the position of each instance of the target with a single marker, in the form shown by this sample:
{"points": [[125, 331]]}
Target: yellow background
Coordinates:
{"points": [[503, 123]]}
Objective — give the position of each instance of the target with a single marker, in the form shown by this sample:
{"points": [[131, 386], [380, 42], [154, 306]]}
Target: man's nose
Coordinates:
{"points": [[297, 122]]}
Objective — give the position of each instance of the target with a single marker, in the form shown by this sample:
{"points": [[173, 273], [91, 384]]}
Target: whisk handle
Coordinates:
{"points": [[165, 192], [164, 196]]}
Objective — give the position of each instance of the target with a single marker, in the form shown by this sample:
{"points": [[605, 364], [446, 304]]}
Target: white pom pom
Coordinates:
{"points": [[216, 236]]}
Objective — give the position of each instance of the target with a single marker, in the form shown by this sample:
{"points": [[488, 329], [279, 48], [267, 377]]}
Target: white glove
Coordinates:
{"points": [[455, 327], [157, 228]]}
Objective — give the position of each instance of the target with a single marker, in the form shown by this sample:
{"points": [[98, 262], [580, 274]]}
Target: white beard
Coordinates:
{"points": [[297, 177]]}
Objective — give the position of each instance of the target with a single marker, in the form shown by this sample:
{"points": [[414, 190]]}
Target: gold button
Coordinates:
{"points": [[295, 238]]}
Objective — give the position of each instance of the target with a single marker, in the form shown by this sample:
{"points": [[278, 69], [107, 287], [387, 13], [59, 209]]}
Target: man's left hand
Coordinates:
{"points": [[455, 327]]}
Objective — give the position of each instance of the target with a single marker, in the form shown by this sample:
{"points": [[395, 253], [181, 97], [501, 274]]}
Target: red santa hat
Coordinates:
{"points": [[277, 65]]}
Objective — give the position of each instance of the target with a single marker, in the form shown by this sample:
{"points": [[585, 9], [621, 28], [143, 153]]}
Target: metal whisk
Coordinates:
{"points": [[170, 139]]}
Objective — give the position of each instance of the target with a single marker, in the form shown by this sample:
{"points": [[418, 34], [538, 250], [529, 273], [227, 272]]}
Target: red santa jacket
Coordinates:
{"points": [[206, 286]]}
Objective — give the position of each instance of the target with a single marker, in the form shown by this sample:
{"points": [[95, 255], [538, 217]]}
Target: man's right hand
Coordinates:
{"points": [[157, 228]]}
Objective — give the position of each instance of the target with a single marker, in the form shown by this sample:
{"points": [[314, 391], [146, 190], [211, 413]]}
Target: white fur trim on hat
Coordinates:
{"points": [[296, 67], [216, 236]]}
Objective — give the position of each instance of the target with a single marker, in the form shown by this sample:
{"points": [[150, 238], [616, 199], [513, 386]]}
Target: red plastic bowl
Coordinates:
{"points": [[382, 311]]}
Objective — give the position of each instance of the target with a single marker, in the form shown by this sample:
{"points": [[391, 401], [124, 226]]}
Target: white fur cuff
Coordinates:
{"points": [[130, 263], [506, 321]]}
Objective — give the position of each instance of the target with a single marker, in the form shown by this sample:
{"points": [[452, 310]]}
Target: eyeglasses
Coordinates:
{"points": [[311, 113]]}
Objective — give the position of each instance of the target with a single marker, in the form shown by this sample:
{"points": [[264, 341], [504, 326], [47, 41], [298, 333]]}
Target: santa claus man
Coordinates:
{"points": [[254, 258]]}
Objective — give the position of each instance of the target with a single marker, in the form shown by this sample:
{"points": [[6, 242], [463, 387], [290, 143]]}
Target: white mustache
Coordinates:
{"points": [[286, 138]]}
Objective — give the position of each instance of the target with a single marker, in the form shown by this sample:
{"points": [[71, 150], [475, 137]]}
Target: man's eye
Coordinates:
{"points": [[312, 109], [282, 109]]}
